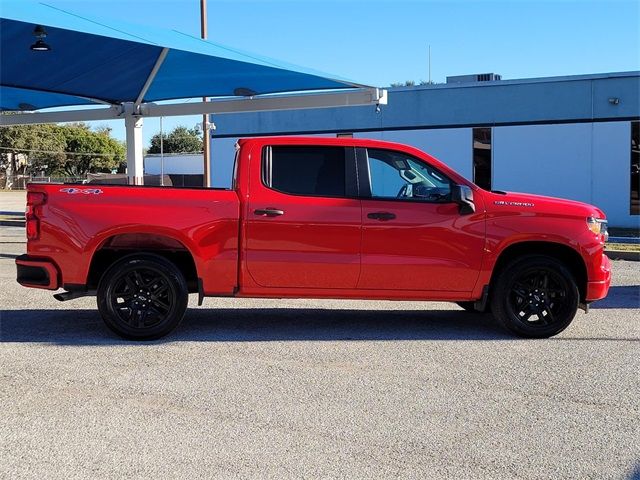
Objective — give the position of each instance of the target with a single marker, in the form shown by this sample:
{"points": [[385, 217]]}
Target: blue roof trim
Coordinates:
{"points": [[576, 99]]}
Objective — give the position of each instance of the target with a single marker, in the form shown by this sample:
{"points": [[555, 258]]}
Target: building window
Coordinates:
{"points": [[482, 157], [635, 169]]}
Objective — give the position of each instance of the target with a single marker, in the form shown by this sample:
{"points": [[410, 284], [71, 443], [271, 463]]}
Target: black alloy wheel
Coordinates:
{"points": [[536, 296], [142, 297]]}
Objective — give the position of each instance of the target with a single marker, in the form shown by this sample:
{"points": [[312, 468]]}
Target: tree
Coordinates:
{"points": [[89, 151], [179, 140], [407, 83], [28, 145], [58, 150], [412, 83]]}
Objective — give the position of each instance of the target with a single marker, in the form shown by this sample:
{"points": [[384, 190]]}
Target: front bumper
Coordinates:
{"points": [[599, 286], [37, 273]]}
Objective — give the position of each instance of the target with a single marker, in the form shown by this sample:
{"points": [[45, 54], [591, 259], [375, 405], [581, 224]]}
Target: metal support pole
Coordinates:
{"points": [[135, 161], [161, 154], [205, 130]]}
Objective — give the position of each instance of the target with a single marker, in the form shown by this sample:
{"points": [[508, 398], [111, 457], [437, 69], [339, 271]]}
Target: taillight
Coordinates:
{"points": [[34, 201], [33, 227], [36, 198]]}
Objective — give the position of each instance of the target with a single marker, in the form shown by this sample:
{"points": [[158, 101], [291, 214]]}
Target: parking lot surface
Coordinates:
{"points": [[315, 389]]}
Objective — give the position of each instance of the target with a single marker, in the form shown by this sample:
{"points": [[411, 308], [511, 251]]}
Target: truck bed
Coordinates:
{"points": [[76, 221]]}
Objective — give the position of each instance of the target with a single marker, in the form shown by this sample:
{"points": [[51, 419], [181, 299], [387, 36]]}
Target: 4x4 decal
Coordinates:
{"points": [[86, 191]]}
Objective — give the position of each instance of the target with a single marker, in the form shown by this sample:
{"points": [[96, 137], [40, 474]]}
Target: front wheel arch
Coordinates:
{"points": [[566, 255], [535, 296]]}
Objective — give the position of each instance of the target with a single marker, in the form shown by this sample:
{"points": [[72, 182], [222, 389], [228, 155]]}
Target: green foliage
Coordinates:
{"points": [[179, 140], [92, 151], [66, 150], [32, 142], [412, 83], [407, 83]]}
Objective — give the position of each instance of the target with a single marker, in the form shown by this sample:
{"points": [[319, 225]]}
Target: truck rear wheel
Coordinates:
{"points": [[142, 297], [535, 296]]}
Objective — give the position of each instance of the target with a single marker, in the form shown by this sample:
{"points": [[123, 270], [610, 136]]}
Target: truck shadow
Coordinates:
{"points": [[627, 296], [85, 327]]}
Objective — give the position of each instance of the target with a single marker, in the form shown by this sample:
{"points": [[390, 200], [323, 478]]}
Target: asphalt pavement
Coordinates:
{"points": [[315, 389]]}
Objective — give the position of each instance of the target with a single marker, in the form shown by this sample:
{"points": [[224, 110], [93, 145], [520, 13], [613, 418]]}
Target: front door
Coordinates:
{"points": [[304, 220], [414, 237]]}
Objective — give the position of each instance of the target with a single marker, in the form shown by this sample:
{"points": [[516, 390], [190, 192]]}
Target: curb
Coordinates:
{"points": [[618, 255], [12, 223], [634, 240]]}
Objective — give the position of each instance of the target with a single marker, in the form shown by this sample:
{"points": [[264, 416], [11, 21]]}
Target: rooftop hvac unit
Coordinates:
{"points": [[477, 77]]}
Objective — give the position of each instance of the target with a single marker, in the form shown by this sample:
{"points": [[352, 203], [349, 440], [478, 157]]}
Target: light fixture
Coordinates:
{"points": [[26, 107], [244, 92], [40, 46]]}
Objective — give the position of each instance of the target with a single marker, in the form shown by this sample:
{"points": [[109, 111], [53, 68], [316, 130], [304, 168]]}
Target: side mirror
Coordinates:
{"points": [[463, 196], [420, 191]]}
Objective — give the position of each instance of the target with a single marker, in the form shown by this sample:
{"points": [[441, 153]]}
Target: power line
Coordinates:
{"points": [[95, 154], [56, 152], [166, 134]]}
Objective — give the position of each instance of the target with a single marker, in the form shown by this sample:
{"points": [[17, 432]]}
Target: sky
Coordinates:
{"points": [[378, 42]]}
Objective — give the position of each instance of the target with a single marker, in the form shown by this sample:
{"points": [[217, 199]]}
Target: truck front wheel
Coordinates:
{"points": [[535, 296], [142, 297]]}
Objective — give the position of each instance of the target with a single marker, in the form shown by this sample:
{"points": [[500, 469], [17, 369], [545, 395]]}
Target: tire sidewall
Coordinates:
{"points": [[162, 266], [500, 297]]}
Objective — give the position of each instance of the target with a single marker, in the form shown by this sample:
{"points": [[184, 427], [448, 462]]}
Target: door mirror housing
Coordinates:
{"points": [[463, 196]]}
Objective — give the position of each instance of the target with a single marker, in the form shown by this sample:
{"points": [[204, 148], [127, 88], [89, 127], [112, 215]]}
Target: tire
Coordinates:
{"points": [[142, 297], [535, 296]]}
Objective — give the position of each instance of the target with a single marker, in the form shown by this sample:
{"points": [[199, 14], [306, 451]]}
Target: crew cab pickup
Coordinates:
{"points": [[317, 218]]}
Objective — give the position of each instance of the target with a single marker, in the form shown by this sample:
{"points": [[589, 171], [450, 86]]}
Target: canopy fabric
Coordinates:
{"points": [[93, 62]]}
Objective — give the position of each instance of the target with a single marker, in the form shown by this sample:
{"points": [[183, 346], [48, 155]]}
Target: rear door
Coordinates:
{"points": [[414, 237], [304, 218]]}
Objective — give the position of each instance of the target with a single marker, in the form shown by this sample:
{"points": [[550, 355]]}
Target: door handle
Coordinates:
{"points": [[268, 212], [382, 216]]}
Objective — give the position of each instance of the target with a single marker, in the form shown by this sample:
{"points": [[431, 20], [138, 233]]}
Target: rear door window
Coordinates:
{"points": [[306, 170]]}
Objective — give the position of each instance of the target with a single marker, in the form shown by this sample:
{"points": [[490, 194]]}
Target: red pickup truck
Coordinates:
{"points": [[317, 218]]}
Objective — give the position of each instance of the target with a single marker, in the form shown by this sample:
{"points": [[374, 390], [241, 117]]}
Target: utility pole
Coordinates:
{"points": [[205, 130]]}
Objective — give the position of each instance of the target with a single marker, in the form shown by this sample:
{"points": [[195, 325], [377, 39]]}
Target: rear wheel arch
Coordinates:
{"points": [[568, 256], [115, 247]]}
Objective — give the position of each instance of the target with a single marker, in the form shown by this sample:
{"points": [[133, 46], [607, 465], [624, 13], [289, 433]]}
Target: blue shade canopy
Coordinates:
{"points": [[92, 62]]}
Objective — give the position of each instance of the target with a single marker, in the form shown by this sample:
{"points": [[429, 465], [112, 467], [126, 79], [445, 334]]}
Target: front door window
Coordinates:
{"points": [[397, 176]]}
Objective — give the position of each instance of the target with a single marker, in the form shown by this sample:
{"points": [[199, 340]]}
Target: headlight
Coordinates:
{"points": [[598, 226]]}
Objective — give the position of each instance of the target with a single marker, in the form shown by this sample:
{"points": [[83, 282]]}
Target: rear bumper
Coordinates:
{"points": [[37, 273], [599, 286]]}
